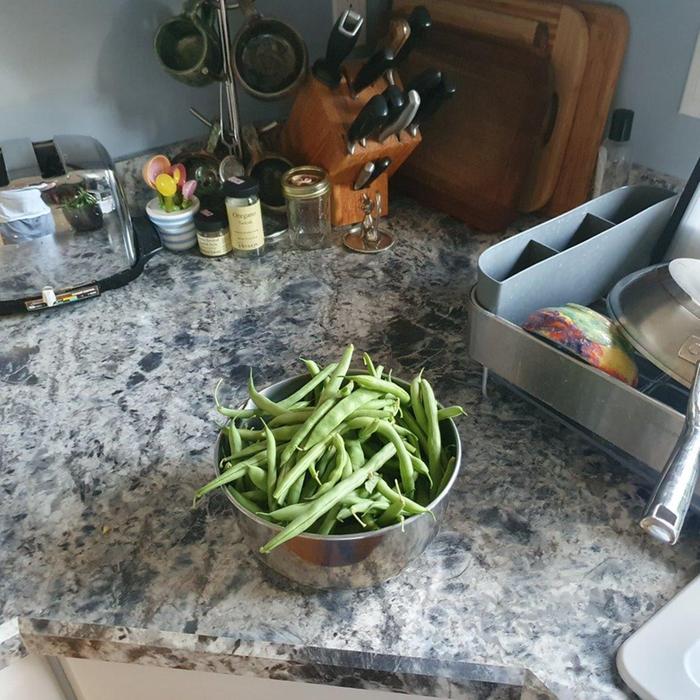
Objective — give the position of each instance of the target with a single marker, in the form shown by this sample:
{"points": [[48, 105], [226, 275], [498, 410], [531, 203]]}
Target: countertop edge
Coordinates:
{"points": [[23, 636]]}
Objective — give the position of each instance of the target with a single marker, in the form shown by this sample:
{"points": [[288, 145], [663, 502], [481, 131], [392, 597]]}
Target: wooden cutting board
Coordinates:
{"points": [[477, 150], [608, 28]]}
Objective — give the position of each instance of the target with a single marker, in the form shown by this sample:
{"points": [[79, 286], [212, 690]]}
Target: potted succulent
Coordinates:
{"points": [[172, 210], [83, 211]]}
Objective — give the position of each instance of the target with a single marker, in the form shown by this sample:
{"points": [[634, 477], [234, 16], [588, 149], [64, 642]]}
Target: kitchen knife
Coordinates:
{"points": [[376, 64], [341, 42], [425, 82], [399, 31], [404, 118], [420, 22], [432, 103], [395, 100], [364, 175], [379, 167], [372, 116]]}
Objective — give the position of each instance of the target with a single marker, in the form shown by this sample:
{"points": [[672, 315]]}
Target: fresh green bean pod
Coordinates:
{"points": [[271, 476], [291, 418], [416, 403], [226, 478], [381, 386], [318, 414], [337, 415], [286, 513], [357, 456], [294, 493], [322, 505], [432, 430], [245, 502], [450, 412], [309, 457], [329, 520], [339, 372], [409, 506], [369, 365]]}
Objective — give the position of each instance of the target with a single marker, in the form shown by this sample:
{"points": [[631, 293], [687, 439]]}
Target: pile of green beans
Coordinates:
{"points": [[345, 453]]}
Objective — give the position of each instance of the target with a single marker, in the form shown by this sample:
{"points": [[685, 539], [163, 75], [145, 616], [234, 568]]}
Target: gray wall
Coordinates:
{"points": [[87, 66], [662, 40]]}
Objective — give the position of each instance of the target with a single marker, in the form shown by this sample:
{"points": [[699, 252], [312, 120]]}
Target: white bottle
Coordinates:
{"points": [[613, 166]]}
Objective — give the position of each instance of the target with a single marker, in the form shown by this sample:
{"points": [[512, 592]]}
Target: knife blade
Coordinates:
{"points": [[432, 103], [341, 42], [403, 119], [372, 116], [379, 62], [364, 175], [420, 22], [379, 167]]}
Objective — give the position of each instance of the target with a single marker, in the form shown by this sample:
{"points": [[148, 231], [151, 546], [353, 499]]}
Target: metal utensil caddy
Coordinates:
{"points": [[578, 257]]}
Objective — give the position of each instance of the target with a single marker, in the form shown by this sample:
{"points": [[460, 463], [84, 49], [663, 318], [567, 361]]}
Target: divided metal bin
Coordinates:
{"points": [[578, 257]]}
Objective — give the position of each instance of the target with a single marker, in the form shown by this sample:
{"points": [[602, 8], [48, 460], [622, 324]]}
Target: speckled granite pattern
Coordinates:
{"points": [[107, 429]]}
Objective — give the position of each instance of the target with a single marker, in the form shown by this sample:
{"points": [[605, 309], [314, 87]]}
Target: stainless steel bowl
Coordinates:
{"points": [[344, 561], [658, 310]]}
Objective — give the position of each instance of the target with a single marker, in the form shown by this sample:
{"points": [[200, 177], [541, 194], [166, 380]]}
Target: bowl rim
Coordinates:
{"points": [[357, 535]]}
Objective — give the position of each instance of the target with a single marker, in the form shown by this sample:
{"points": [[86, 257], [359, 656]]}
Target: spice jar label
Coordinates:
{"points": [[246, 227]]}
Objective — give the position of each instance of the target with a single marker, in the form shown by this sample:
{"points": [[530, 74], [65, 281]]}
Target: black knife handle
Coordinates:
{"points": [[395, 100], [371, 116], [434, 100], [379, 167], [376, 64], [424, 83], [341, 42], [420, 22]]}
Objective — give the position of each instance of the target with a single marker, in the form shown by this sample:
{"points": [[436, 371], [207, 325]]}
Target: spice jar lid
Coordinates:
{"points": [[305, 182], [240, 186], [209, 220]]}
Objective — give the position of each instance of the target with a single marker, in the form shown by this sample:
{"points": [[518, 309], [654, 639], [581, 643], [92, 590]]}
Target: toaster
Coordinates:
{"points": [[65, 229]]}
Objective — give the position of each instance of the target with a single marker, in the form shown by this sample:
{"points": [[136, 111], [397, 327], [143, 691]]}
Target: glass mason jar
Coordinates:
{"points": [[307, 190]]}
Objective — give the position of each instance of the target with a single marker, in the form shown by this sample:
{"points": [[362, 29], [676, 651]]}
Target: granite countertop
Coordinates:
{"points": [[540, 571]]}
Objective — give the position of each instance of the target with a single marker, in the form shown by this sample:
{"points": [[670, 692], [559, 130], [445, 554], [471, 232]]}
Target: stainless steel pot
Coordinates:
{"points": [[344, 561], [658, 310]]}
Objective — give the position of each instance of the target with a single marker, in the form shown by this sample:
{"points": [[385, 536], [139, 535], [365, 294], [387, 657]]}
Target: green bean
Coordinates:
{"points": [[302, 464], [311, 366], [337, 415], [256, 495], [392, 513], [245, 502], [328, 457], [339, 468], [235, 442], [343, 456], [258, 476], [339, 372], [271, 477], [281, 432], [421, 467], [346, 390], [315, 381], [432, 430], [409, 506], [230, 412], [353, 511], [320, 411], [322, 505], [369, 365], [416, 403], [287, 513], [310, 488], [226, 478], [357, 456], [253, 448], [413, 426], [447, 473], [368, 429], [329, 519], [294, 493], [379, 371], [450, 412], [381, 386], [263, 402], [291, 418], [386, 430]]}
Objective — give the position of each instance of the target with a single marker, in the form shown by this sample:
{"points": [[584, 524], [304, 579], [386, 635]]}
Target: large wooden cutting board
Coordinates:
{"points": [[478, 149], [608, 28]]}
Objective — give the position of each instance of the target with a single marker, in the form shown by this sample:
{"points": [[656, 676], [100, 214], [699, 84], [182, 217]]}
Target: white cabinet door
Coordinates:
{"points": [[30, 678]]}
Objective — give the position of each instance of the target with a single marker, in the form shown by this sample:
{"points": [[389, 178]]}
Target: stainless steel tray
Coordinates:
{"points": [[642, 423]]}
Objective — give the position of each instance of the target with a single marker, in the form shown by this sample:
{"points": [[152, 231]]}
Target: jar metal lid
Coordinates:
{"points": [[305, 182], [209, 220]]}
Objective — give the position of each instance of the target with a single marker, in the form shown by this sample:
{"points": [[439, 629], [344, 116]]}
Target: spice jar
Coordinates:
{"points": [[244, 216], [212, 232], [308, 193]]}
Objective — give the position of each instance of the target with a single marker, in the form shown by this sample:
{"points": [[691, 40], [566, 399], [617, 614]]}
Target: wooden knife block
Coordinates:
{"points": [[315, 134]]}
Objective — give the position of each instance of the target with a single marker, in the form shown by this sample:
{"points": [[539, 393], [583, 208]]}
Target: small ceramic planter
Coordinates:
{"points": [[176, 228]]}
